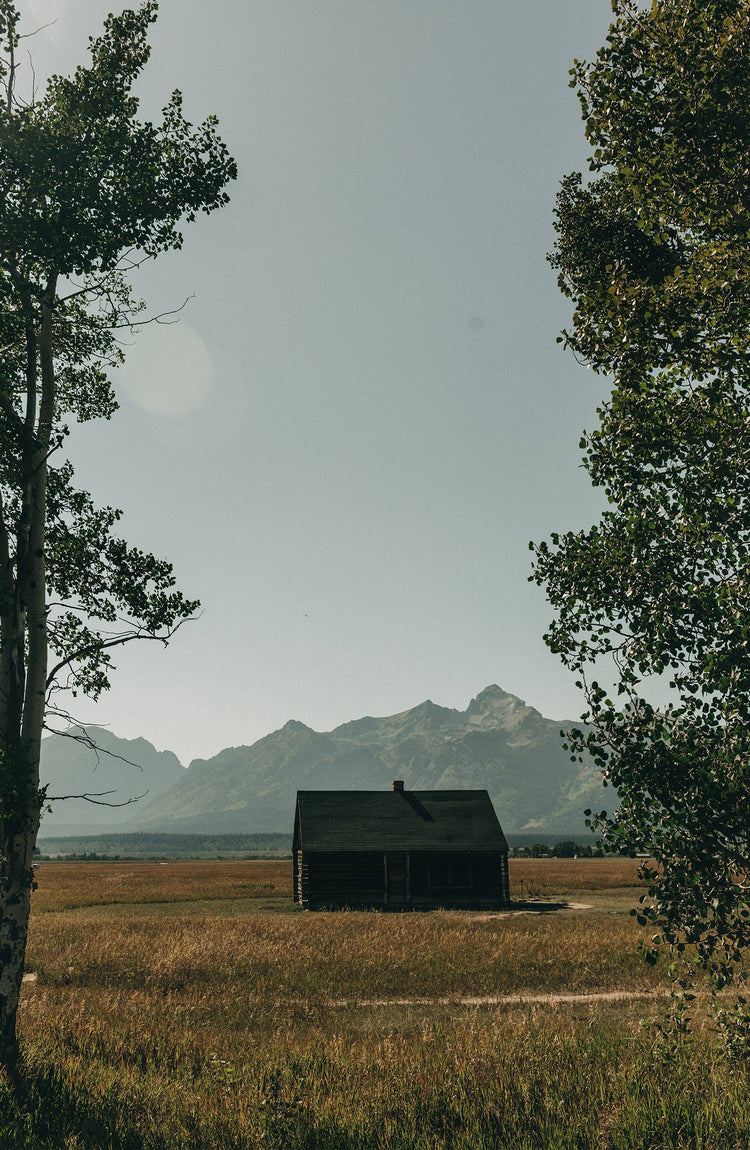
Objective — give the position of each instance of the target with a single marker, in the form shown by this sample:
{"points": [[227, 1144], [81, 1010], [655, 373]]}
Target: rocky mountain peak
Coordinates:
{"points": [[294, 726], [489, 698]]}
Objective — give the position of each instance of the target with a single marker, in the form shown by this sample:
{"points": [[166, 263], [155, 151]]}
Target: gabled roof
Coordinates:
{"points": [[397, 820]]}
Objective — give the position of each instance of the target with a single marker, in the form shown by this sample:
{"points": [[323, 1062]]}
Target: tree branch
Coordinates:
{"points": [[155, 318], [106, 644], [85, 739], [95, 798]]}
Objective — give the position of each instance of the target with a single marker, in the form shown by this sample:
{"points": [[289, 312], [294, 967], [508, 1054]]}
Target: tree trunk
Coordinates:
{"points": [[25, 643], [15, 904]]}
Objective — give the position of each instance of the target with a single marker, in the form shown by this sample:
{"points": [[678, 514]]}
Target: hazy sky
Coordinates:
{"points": [[363, 417]]}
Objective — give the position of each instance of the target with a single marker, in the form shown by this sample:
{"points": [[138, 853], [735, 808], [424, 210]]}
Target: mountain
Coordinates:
{"points": [[127, 768], [497, 743]]}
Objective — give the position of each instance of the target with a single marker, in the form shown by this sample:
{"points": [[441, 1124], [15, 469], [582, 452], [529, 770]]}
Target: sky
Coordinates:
{"points": [[362, 417]]}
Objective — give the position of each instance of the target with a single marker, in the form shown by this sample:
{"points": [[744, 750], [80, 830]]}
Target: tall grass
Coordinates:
{"points": [[71, 885], [481, 1079], [205, 1029], [345, 955]]}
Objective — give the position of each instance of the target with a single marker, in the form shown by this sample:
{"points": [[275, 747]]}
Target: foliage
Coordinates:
{"points": [[654, 252], [87, 193]]}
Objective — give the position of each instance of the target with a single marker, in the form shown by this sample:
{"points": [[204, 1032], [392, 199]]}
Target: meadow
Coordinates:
{"points": [[190, 1005]]}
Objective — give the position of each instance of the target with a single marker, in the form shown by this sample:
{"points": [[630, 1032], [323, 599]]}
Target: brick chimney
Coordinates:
{"points": [[398, 785]]}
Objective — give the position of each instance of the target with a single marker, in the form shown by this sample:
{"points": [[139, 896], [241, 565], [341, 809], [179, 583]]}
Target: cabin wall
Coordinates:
{"points": [[341, 879], [297, 861], [400, 880], [300, 872], [459, 879]]}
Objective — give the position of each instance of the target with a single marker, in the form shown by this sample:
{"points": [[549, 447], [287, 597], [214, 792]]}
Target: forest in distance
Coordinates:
{"points": [[260, 846]]}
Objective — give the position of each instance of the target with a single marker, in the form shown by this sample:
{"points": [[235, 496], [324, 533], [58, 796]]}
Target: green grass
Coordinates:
{"points": [[197, 1028], [479, 1080]]}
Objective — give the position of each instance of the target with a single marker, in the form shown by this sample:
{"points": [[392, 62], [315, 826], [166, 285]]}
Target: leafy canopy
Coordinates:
{"points": [[87, 193], [653, 250]]}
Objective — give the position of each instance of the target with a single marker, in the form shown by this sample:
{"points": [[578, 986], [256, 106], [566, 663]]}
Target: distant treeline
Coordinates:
{"points": [[532, 838], [567, 849], [261, 845], [160, 846]]}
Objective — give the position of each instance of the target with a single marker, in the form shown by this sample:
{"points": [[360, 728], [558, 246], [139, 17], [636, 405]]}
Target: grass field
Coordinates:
{"points": [[188, 1005]]}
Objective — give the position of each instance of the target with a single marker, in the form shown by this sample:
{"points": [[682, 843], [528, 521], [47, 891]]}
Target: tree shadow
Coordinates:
{"points": [[537, 906], [41, 1109]]}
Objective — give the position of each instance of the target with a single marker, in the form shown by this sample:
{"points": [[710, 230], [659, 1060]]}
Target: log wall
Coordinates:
{"points": [[399, 880]]}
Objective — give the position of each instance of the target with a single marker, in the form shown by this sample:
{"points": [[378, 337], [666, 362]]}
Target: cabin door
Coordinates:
{"points": [[396, 879]]}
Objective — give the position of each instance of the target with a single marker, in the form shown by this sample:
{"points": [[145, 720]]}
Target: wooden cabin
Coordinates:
{"points": [[398, 850]]}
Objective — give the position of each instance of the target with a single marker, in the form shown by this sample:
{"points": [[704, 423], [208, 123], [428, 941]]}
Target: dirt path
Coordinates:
{"points": [[504, 999], [533, 906]]}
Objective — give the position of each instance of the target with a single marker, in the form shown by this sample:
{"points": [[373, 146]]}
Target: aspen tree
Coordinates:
{"points": [[653, 601], [87, 191]]}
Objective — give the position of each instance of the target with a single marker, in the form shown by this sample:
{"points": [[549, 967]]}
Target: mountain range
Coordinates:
{"points": [[498, 743]]}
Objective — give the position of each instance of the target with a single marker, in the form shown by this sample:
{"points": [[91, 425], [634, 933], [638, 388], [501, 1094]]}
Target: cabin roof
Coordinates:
{"points": [[397, 820]]}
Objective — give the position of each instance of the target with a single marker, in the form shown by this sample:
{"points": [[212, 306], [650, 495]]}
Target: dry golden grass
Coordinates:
{"points": [[67, 885], [545, 878], [193, 1072], [131, 925], [160, 1021], [324, 956], [319, 956]]}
